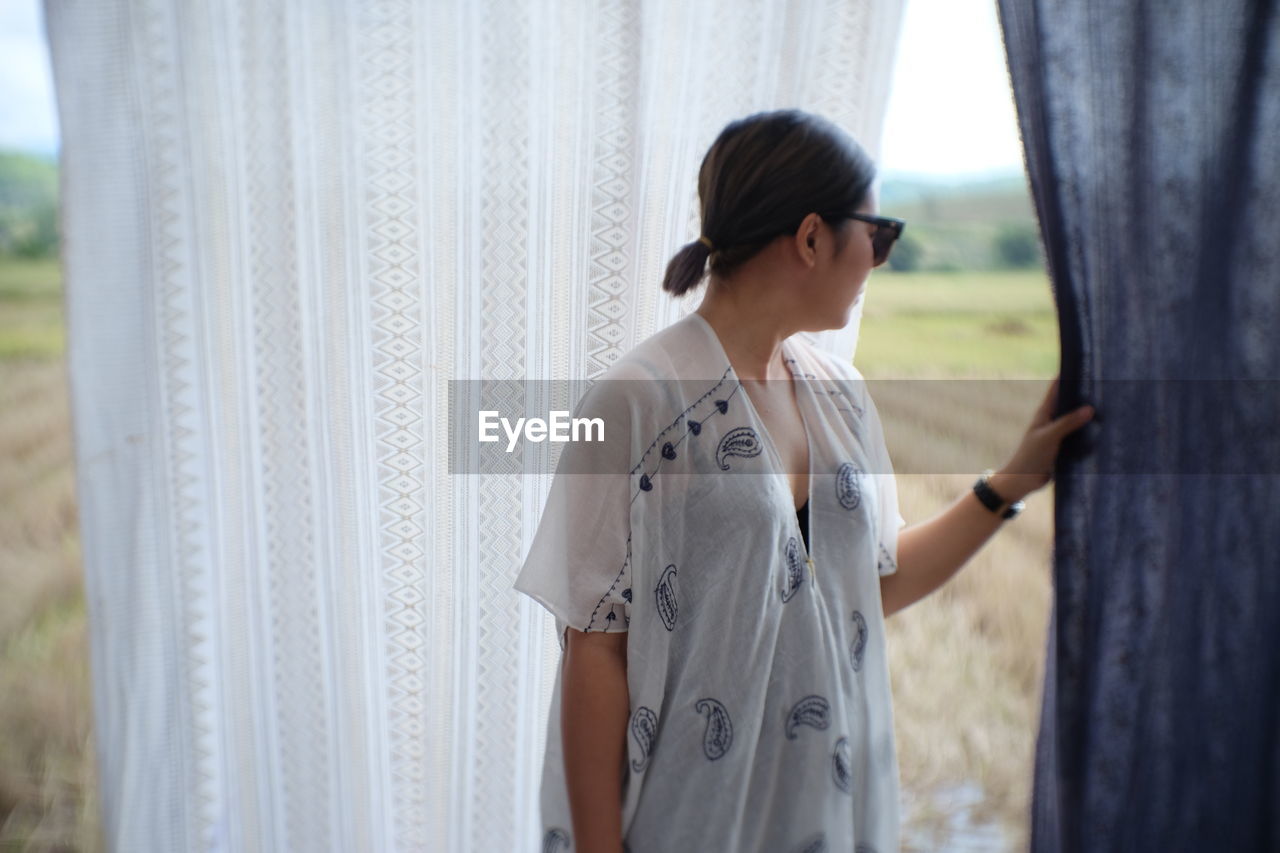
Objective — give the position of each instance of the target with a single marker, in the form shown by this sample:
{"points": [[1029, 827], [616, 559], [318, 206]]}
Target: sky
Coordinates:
{"points": [[950, 110], [27, 119]]}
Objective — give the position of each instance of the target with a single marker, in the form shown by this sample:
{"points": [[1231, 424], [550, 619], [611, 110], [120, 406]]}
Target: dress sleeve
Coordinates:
{"points": [[891, 520], [579, 564]]}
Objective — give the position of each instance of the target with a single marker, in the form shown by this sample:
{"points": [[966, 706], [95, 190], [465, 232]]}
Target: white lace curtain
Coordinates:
{"points": [[287, 226]]}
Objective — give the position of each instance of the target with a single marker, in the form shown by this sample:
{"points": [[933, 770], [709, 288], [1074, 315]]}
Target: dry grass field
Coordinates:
{"points": [[47, 771], [966, 665], [966, 662]]}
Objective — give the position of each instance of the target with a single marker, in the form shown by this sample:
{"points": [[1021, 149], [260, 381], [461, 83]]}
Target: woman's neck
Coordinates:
{"points": [[751, 339]]}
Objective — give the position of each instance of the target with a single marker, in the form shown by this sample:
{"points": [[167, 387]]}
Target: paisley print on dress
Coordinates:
{"points": [[851, 413], [859, 645], [665, 597], [644, 728], [718, 736], [795, 569], [812, 711], [885, 560], [848, 487], [813, 844], [555, 841], [739, 441], [842, 765]]}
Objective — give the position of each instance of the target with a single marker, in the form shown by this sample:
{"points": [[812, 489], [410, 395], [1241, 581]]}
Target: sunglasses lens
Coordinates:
{"points": [[882, 242]]}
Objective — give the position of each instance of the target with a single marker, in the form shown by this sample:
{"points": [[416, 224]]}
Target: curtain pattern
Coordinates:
{"points": [[287, 226], [1150, 135]]}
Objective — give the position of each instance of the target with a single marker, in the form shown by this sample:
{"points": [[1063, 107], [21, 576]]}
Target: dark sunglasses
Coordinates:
{"points": [[887, 231]]}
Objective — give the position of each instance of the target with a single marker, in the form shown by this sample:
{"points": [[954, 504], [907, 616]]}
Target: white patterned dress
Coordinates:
{"points": [[760, 709]]}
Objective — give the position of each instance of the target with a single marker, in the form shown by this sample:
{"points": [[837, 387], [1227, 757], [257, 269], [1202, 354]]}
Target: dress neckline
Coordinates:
{"points": [[788, 359]]}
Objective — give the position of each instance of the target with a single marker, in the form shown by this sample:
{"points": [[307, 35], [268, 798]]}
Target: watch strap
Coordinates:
{"points": [[991, 499]]}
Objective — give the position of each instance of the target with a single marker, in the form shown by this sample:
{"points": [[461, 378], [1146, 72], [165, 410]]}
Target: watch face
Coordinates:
{"points": [[987, 495]]}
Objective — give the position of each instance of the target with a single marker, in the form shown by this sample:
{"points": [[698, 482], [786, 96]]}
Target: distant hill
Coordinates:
{"points": [[28, 205], [984, 221], [898, 187], [963, 223]]}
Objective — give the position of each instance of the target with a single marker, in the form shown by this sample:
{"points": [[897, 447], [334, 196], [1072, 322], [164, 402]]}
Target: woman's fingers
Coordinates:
{"points": [[1045, 413], [1073, 419], [1065, 423]]}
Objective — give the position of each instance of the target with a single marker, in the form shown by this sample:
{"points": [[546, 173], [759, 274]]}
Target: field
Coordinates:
{"points": [[966, 662], [47, 771]]}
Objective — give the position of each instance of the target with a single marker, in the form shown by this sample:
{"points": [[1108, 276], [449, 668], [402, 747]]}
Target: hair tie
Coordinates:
{"points": [[703, 239]]}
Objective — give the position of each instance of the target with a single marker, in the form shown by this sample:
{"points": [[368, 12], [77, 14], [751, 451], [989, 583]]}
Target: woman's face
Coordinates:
{"points": [[847, 272]]}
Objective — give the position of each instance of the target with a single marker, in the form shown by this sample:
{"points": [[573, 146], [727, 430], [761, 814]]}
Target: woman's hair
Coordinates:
{"points": [[761, 177]]}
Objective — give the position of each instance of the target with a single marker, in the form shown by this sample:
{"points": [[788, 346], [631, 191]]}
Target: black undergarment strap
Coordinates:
{"points": [[802, 514]]}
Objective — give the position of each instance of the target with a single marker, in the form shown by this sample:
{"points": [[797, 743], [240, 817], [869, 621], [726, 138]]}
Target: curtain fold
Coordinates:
{"points": [[287, 226], [1150, 138]]}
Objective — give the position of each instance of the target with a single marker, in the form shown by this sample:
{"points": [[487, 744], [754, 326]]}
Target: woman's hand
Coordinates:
{"points": [[1031, 466]]}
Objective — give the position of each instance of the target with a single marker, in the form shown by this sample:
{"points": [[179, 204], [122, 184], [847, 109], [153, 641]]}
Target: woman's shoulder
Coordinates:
{"points": [[678, 351], [836, 376], [657, 379], [824, 363], [640, 378]]}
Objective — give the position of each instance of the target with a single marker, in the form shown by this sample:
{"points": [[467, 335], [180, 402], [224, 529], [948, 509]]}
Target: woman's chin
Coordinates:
{"points": [[837, 319]]}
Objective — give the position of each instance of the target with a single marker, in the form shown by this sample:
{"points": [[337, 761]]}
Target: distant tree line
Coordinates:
{"points": [[1018, 247], [28, 206], [963, 229], [29, 233], [1013, 246]]}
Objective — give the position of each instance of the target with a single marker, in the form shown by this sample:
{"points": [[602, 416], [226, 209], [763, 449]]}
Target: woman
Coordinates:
{"points": [[739, 699]]}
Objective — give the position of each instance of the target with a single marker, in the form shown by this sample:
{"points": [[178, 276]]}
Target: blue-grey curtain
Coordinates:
{"points": [[1152, 140]]}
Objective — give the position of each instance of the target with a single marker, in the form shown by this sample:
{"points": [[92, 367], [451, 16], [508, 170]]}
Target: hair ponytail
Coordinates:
{"points": [[687, 268]]}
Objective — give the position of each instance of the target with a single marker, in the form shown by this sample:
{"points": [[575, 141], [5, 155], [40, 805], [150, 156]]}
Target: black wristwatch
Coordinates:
{"points": [[991, 500]]}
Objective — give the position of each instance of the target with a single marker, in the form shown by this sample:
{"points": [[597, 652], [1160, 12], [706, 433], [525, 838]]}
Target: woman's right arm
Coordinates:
{"points": [[594, 706]]}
